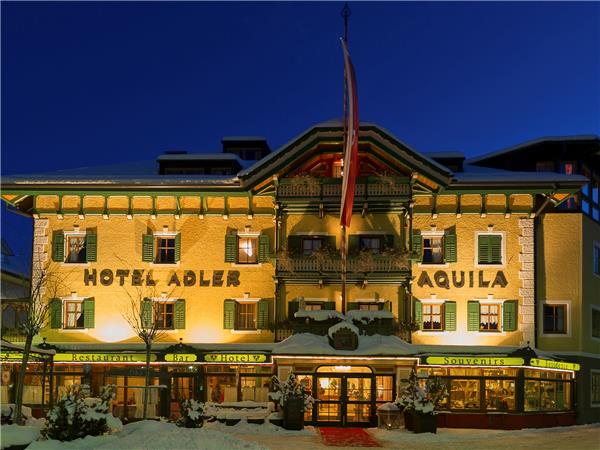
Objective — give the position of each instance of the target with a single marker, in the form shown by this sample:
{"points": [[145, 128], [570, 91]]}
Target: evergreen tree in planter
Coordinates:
{"points": [[420, 400], [293, 397], [191, 414]]}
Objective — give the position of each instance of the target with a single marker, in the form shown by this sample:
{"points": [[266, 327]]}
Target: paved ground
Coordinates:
{"points": [[583, 437]]}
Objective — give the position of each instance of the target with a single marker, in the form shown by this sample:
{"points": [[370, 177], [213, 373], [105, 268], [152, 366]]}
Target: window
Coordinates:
{"points": [[489, 249], [433, 250], [596, 258], [489, 317], [247, 249], [165, 250], [432, 316], [311, 245], [555, 319], [373, 244], [74, 314], [313, 306], [75, 249], [595, 322], [370, 306], [161, 248], [246, 316], [164, 314], [595, 384]]}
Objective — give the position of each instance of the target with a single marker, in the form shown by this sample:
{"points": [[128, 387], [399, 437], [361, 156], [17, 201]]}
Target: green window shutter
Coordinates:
{"points": [[419, 314], [91, 245], [473, 316], [450, 316], [350, 306], [56, 313], [294, 244], [177, 247], [509, 315], [147, 248], [229, 314], [264, 314], [88, 312], [263, 248], [389, 241], [293, 308], [58, 246], [146, 313], [179, 314], [495, 249], [417, 245], [329, 242], [450, 248], [330, 306], [353, 243], [231, 248], [483, 249]]}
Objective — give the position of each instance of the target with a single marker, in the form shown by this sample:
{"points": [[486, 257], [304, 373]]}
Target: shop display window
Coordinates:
{"points": [[255, 388], [545, 395], [222, 388], [384, 388], [464, 394], [307, 380], [500, 395]]}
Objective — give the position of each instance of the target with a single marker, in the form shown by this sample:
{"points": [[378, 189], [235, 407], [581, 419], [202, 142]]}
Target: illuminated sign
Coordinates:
{"points": [[475, 361], [554, 364], [103, 357], [459, 279], [11, 356], [139, 277], [180, 357], [245, 358]]}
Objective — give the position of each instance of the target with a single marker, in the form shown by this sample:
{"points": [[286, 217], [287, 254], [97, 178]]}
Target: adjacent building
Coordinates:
{"points": [[454, 267]]}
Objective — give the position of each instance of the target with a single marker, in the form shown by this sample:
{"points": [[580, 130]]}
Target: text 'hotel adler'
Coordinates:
{"points": [[484, 272]]}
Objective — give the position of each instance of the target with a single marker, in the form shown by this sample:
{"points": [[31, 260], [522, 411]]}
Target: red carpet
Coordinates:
{"points": [[347, 437]]}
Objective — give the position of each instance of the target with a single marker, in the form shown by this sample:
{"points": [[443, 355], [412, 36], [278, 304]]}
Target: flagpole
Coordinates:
{"points": [[344, 249]]}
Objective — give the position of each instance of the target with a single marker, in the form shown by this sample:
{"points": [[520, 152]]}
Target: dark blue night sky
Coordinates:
{"points": [[94, 83]]}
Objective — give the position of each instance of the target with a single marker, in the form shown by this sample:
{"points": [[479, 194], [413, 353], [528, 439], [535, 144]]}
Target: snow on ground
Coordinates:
{"points": [[147, 435], [18, 435]]}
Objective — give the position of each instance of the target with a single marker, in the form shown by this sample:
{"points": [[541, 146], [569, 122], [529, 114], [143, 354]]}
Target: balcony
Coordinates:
{"points": [[331, 188]]}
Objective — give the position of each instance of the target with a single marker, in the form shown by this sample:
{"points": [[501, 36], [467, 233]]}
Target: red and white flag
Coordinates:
{"points": [[350, 169]]}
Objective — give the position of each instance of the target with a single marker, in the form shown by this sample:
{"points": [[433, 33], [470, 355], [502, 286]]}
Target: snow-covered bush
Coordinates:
{"points": [[291, 389], [191, 413], [422, 395], [76, 416]]}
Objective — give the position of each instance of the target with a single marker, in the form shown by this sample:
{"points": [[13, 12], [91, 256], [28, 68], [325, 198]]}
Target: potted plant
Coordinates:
{"points": [[420, 401], [293, 397]]}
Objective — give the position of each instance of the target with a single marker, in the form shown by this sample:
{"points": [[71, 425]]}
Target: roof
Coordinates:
{"points": [[583, 137], [19, 348], [484, 175]]}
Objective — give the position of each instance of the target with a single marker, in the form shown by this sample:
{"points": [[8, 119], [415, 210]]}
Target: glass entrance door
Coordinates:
{"points": [[343, 399]]}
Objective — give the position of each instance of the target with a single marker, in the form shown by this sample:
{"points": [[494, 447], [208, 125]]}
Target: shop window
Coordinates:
{"points": [[373, 244], [74, 247], [595, 386], [254, 388], [547, 395], [464, 394], [163, 248], [489, 249], [595, 322], [310, 245], [246, 248], [500, 395], [555, 319], [433, 316], [489, 317], [384, 389]]}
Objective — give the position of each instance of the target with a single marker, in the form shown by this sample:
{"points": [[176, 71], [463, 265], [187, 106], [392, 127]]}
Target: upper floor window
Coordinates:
{"points": [[433, 250], [489, 317], [489, 249], [555, 319], [246, 248], [311, 244], [432, 316], [374, 244], [247, 314], [595, 322], [369, 306], [434, 247], [544, 166], [74, 246], [164, 313], [72, 313], [436, 315], [161, 248]]}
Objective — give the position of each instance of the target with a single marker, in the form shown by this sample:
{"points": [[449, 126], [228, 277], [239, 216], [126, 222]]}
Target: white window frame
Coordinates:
{"points": [[247, 300], [592, 373], [567, 319], [593, 307], [71, 298], [73, 233], [163, 234], [502, 250], [493, 301], [427, 234]]}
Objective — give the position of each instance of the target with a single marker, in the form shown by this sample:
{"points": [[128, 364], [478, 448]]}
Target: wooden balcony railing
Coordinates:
{"points": [[374, 264], [325, 188]]}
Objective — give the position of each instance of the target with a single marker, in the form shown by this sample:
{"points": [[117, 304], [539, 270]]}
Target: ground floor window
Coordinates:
{"points": [[595, 382], [237, 383]]}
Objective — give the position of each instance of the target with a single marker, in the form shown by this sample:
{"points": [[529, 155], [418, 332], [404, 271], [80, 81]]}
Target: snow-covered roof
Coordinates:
{"points": [[5, 345], [485, 175], [209, 347], [312, 344], [344, 324]]}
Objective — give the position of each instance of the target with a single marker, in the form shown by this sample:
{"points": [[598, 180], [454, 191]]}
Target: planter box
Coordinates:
{"points": [[408, 421], [293, 414], [424, 423]]}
